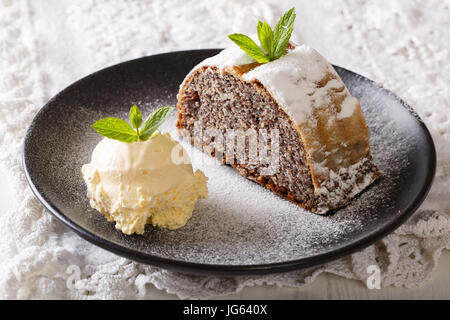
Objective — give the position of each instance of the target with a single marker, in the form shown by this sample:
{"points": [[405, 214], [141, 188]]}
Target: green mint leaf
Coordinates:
{"points": [[282, 44], [265, 36], [282, 33], [274, 42], [249, 46], [154, 120], [135, 117], [285, 22], [116, 129]]}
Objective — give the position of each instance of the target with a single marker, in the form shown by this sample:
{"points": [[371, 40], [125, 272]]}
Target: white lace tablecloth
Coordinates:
{"points": [[46, 45]]}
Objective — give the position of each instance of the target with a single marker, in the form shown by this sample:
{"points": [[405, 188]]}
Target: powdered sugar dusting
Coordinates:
{"points": [[291, 80], [348, 107]]}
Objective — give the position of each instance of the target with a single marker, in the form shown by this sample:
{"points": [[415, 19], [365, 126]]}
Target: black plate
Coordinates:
{"points": [[241, 228]]}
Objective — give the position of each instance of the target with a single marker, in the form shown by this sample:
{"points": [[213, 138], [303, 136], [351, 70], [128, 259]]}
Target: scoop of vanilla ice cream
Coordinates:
{"points": [[143, 182]]}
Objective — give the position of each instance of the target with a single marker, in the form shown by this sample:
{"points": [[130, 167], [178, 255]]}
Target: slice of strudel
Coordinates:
{"points": [[290, 125]]}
